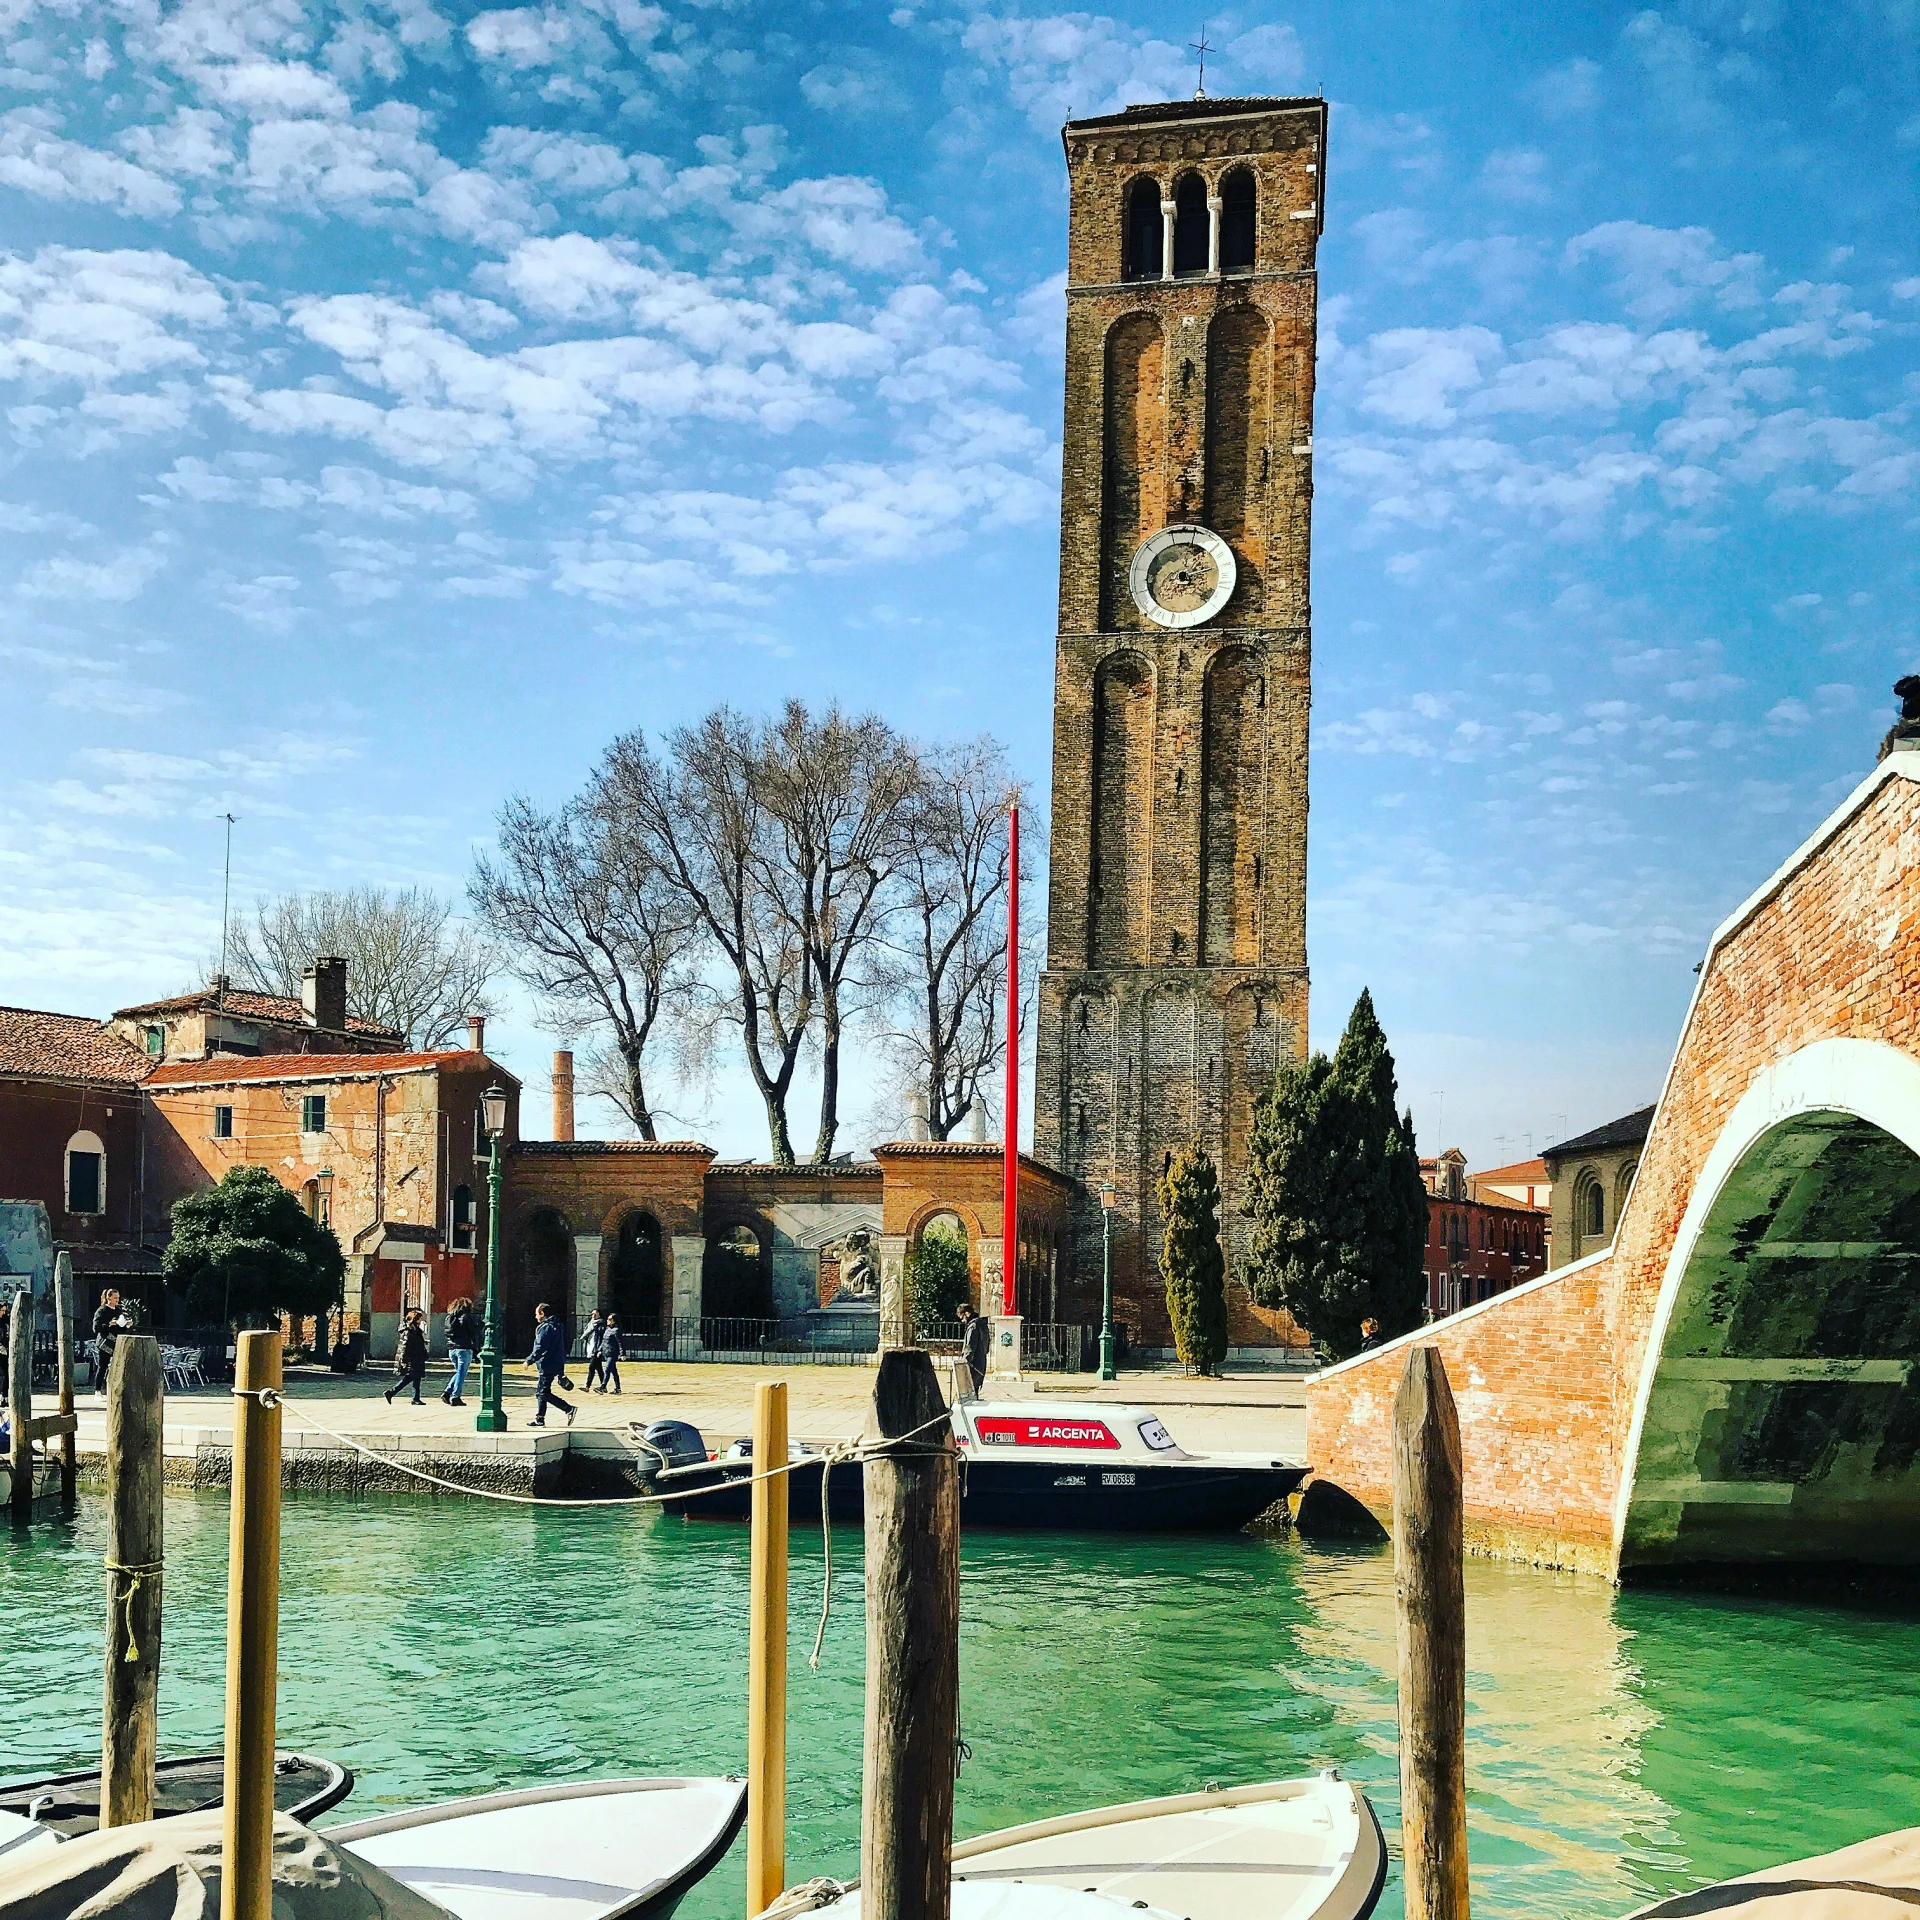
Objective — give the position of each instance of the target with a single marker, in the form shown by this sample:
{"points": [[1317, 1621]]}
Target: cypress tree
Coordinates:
{"points": [[1334, 1188], [1191, 1264]]}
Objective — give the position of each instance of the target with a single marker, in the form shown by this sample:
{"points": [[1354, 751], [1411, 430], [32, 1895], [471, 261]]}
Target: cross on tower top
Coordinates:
{"points": [[1202, 47]]}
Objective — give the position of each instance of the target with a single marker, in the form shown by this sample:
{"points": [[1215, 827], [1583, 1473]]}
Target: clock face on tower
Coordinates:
{"points": [[1182, 576]]}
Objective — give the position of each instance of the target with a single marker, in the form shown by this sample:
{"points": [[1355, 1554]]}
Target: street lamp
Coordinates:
{"points": [[493, 1117], [1106, 1281], [323, 1189]]}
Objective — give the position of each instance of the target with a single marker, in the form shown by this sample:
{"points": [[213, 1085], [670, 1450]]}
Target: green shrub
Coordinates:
{"points": [[247, 1249], [1191, 1264], [937, 1281]]}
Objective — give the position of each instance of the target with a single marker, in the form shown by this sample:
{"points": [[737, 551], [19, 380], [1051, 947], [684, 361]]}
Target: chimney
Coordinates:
{"points": [[977, 1119], [323, 992], [476, 1033], [562, 1094], [917, 1128]]}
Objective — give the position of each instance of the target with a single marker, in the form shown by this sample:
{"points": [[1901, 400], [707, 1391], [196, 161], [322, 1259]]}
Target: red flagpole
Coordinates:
{"points": [[1010, 1178]]}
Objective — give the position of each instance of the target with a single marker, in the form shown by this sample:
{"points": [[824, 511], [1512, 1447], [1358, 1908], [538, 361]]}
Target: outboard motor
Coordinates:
{"points": [[675, 1444]]}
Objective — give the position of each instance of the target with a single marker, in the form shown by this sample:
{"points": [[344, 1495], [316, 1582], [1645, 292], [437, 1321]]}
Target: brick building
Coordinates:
{"points": [[386, 1148], [221, 1018], [70, 1138], [1176, 975]]}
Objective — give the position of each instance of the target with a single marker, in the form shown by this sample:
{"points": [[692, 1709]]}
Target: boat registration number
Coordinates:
{"points": [[1095, 1435]]}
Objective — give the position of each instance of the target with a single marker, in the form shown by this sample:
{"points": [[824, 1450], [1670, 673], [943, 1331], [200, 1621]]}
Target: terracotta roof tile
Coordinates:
{"points": [[567, 1149], [247, 1005], [66, 1046], [1520, 1173], [228, 1067]]}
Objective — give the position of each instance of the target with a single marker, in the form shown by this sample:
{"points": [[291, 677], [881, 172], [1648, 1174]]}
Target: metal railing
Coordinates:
{"points": [[805, 1341]]}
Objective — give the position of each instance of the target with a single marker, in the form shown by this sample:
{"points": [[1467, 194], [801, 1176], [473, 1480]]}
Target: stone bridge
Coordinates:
{"points": [[1733, 1380]]}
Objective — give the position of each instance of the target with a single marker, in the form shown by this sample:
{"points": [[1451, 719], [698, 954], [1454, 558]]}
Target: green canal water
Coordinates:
{"points": [[1623, 1746]]}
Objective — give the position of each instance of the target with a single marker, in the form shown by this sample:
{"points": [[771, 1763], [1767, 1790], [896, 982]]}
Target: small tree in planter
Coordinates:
{"points": [[937, 1279], [246, 1250], [1192, 1265]]}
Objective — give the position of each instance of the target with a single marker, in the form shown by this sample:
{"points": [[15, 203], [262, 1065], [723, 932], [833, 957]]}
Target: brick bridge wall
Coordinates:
{"points": [[1547, 1377]]}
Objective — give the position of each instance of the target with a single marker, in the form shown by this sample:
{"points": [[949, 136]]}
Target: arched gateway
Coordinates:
{"points": [[1736, 1379]]}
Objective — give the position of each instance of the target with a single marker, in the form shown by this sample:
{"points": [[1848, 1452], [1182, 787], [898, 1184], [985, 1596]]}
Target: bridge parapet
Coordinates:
{"points": [[1738, 1377]]}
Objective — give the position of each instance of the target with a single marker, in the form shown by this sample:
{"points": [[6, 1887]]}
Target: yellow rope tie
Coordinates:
{"points": [[137, 1577]]}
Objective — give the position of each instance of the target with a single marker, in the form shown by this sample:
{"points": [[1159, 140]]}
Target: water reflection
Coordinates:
{"points": [[1621, 1746]]}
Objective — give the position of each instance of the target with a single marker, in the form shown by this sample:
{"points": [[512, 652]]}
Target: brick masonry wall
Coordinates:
{"points": [[1177, 971], [1546, 1378]]}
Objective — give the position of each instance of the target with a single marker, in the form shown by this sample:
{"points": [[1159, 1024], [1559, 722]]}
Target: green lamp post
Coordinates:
{"points": [[490, 1419], [1107, 1371]]}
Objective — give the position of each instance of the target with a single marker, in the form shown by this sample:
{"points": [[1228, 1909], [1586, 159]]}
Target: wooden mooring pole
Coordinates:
{"points": [[253, 1632], [63, 1326], [1429, 1585], [767, 1656], [135, 1540], [20, 1402], [912, 1494]]}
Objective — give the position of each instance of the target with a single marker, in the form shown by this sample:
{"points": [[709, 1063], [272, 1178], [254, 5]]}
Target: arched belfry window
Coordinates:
{"points": [[1144, 259], [1596, 1220], [1190, 225], [1237, 224]]}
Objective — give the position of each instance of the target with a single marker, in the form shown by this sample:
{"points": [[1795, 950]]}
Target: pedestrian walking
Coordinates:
{"points": [[549, 1363], [590, 1345], [976, 1343], [460, 1344], [109, 1323], [410, 1357], [610, 1355]]}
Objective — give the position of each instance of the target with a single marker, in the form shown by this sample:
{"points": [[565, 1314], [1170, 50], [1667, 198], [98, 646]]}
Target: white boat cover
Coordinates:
{"points": [[170, 1870], [1285, 1850], [588, 1850], [1874, 1880]]}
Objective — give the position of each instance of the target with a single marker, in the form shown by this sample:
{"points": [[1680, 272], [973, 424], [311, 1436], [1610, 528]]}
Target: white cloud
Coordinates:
{"points": [[847, 220], [1662, 271], [1516, 173], [122, 577], [71, 315], [1077, 64], [35, 158]]}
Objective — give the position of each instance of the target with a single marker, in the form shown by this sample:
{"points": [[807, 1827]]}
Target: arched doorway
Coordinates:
{"points": [[634, 1291], [938, 1274], [542, 1270], [734, 1280], [1780, 1414]]}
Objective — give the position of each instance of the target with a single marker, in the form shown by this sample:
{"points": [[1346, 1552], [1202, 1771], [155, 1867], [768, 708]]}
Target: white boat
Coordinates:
{"points": [[592, 1850], [1285, 1850], [1096, 1465], [1871, 1880]]}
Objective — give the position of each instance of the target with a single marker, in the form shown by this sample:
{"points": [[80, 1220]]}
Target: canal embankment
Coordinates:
{"points": [[341, 1435]]}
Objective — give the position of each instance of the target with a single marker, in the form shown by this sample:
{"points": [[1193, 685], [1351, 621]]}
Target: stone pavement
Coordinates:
{"points": [[1244, 1413]]}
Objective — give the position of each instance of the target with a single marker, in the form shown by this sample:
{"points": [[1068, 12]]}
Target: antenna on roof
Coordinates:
{"points": [[226, 897], [1202, 47]]}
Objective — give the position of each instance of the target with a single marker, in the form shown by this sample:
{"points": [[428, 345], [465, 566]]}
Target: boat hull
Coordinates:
{"points": [[1048, 1495], [69, 1803]]}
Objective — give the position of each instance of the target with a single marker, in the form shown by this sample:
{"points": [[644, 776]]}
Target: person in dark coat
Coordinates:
{"points": [[610, 1355], [976, 1343], [590, 1344], [461, 1328], [109, 1323], [548, 1361], [410, 1357]]}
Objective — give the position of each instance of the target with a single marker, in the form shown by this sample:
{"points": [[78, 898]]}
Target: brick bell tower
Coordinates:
{"points": [[1176, 975]]}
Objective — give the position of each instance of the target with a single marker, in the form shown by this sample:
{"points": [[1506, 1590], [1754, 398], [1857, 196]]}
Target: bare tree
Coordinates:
{"points": [[703, 815], [594, 925], [410, 965], [947, 949], [841, 792]]}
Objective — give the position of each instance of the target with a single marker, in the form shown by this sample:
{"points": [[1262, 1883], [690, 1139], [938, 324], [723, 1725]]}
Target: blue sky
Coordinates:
{"points": [[403, 398]]}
